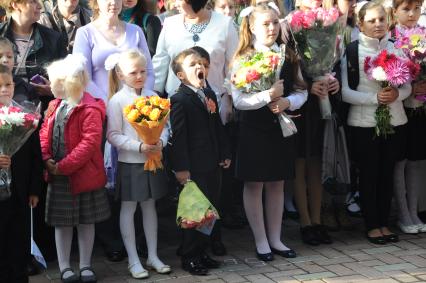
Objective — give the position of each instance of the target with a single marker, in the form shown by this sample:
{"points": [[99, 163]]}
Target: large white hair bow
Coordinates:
{"points": [[248, 10], [112, 61]]}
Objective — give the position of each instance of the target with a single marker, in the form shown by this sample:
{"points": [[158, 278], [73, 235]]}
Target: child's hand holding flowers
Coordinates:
{"points": [[279, 105], [387, 95], [5, 161]]}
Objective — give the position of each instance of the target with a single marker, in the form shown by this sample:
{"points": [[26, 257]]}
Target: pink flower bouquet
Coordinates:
{"points": [[318, 37], [390, 71], [17, 123], [413, 43]]}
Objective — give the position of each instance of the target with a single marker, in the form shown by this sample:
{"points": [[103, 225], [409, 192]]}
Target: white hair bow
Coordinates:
{"points": [[74, 63], [112, 61], [248, 10]]}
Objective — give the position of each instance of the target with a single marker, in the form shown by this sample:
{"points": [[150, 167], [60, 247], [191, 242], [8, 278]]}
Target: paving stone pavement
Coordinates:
{"points": [[351, 258]]}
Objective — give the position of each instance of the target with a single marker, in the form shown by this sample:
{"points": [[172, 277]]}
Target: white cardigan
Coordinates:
{"points": [[364, 98], [120, 133], [220, 39]]}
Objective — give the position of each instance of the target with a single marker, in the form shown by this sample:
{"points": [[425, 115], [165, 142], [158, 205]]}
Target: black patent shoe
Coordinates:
{"points": [[72, 279], [218, 248], [209, 262], [115, 256], [322, 235], [194, 267], [286, 253], [309, 236], [265, 257], [380, 240], [87, 278], [391, 238]]}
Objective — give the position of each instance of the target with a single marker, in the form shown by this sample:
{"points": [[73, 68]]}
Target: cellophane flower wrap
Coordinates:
{"points": [[318, 34], [17, 123], [148, 115], [257, 72], [413, 43], [390, 71], [195, 211]]}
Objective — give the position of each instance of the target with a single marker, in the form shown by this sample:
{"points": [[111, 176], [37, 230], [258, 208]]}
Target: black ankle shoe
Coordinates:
{"points": [[322, 234], [265, 257], [391, 238], [309, 236], [209, 262], [195, 267], [380, 240], [286, 253]]}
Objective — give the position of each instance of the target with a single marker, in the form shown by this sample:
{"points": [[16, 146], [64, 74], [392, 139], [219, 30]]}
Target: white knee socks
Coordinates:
{"points": [[63, 240], [150, 227], [274, 201], [86, 238], [127, 228], [254, 211], [400, 190], [415, 183]]}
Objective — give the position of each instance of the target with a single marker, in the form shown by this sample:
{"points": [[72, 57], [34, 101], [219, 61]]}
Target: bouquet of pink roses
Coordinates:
{"points": [[413, 44], [318, 35], [17, 123], [390, 71]]}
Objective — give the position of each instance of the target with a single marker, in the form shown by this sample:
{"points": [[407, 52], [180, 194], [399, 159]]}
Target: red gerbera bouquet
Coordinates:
{"points": [[390, 71]]}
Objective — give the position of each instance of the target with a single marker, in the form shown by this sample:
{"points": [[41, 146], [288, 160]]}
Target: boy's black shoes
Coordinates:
{"points": [[195, 267]]}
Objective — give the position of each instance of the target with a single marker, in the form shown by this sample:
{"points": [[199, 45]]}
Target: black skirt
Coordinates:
{"points": [[263, 154], [416, 134]]}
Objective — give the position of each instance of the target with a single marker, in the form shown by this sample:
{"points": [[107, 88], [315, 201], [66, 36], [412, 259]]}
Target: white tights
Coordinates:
{"points": [[274, 202], [127, 227], [63, 239]]}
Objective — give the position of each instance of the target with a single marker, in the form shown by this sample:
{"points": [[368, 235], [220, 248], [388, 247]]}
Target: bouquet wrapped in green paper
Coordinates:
{"points": [[195, 210]]}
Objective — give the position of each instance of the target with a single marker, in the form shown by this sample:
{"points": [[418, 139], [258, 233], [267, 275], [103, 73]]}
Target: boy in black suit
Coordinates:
{"points": [[199, 149], [26, 167]]}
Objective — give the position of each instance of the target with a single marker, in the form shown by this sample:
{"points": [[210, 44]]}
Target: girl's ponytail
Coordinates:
{"points": [[113, 82]]}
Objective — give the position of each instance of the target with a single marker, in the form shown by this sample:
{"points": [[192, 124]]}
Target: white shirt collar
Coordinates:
{"points": [[129, 89], [263, 48], [373, 43]]}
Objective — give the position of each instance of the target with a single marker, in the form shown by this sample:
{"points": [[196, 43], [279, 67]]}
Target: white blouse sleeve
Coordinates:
{"points": [[404, 92], [250, 101], [161, 60], [297, 98], [115, 128], [352, 96]]}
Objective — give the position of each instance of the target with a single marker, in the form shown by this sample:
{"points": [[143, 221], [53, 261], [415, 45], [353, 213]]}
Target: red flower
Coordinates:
{"points": [[252, 75], [29, 120], [13, 109], [211, 106], [274, 60]]}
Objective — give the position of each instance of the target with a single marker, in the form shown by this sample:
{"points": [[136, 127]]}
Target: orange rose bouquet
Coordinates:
{"points": [[148, 116]]}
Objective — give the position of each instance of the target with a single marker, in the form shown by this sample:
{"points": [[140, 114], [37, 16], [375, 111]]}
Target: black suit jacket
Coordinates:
{"points": [[198, 141]]}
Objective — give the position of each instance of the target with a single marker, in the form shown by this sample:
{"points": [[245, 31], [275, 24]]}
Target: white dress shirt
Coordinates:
{"points": [[120, 133]]}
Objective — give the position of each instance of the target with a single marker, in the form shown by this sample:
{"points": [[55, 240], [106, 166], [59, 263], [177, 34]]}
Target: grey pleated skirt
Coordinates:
{"points": [[65, 209], [136, 184]]}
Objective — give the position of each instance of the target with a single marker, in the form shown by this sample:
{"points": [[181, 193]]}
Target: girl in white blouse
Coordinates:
{"points": [[264, 157], [134, 183], [376, 156]]}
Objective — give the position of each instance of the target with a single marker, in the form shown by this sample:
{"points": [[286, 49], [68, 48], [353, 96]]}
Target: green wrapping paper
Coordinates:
{"points": [[195, 210]]}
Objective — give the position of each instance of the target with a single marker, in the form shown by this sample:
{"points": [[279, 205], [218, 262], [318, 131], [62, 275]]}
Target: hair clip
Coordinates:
{"points": [[112, 61], [248, 10]]}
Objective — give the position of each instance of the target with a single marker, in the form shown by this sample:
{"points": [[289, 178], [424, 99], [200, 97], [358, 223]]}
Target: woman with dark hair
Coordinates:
{"points": [[196, 25], [136, 12]]}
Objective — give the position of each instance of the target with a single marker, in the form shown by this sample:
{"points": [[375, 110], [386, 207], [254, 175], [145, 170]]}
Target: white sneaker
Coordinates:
{"points": [[409, 229], [421, 228], [138, 274]]}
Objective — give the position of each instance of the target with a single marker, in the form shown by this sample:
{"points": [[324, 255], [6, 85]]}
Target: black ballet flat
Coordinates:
{"points": [[265, 257], [380, 240], [391, 238], [286, 253]]}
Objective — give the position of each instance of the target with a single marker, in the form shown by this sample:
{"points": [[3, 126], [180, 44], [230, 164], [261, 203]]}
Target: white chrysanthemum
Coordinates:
{"points": [[16, 119], [379, 74]]}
